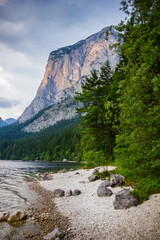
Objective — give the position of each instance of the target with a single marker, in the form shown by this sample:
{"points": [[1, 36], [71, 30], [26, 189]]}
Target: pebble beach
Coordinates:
{"points": [[91, 217]]}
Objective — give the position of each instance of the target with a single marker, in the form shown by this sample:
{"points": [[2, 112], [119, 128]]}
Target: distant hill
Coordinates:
{"points": [[6, 122]]}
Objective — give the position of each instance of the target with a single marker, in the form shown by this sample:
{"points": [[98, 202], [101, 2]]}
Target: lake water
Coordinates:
{"points": [[14, 192], [15, 174]]}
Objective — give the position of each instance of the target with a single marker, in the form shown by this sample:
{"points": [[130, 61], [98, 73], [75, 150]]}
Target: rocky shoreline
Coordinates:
{"points": [[79, 206], [47, 215], [92, 217], [41, 217]]}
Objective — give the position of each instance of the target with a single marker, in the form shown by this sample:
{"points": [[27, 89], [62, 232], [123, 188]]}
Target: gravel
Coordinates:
{"points": [[92, 217]]}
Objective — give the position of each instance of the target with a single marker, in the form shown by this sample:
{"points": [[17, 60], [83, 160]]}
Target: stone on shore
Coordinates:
{"points": [[68, 193], [124, 199], [65, 160], [63, 171], [103, 191], [59, 193], [17, 216], [45, 177], [76, 192], [117, 180], [93, 178], [95, 171], [105, 183], [56, 233], [4, 216]]}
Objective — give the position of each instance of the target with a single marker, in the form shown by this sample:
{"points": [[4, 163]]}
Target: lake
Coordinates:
{"points": [[14, 191]]}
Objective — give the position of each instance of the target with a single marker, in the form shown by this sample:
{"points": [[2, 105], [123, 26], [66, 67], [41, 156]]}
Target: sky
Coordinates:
{"points": [[30, 30]]}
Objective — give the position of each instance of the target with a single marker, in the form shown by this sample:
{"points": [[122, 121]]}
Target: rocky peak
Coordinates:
{"points": [[67, 68]]}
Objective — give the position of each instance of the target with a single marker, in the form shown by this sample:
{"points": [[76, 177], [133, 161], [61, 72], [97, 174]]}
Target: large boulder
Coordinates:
{"points": [[59, 193], [117, 180], [4, 216], [103, 191], [55, 234], [93, 178], [124, 199], [17, 216]]}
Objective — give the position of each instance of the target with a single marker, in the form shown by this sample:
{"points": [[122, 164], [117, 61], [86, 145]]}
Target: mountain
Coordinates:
{"points": [[2, 122], [10, 121], [66, 70], [7, 122]]}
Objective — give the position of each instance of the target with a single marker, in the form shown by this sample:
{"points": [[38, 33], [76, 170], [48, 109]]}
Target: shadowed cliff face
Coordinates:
{"points": [[65, 71]]}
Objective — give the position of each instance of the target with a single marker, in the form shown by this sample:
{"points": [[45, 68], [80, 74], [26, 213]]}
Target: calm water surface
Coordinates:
{"points": [[13, 178]]}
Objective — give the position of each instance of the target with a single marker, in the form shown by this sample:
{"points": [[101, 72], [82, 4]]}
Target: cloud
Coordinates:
{"points": [[3, 2], [1, 69], [9, 28], [8, 103]]}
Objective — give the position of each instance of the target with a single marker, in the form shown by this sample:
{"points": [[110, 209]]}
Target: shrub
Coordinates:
{"points": [[144, 188], [94, 158]]}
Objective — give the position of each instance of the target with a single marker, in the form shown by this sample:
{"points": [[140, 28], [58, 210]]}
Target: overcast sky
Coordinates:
{"points": [[30, 30]]}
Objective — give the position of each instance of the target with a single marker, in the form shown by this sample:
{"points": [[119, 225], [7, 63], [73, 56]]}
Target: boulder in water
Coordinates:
{"points": [[17, 216]]}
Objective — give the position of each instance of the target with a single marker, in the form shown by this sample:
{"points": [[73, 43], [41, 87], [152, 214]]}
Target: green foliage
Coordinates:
{"points": [[102, 175], [146, 187], [94, 158], [100, 112], [54, 143], [137, 144]]}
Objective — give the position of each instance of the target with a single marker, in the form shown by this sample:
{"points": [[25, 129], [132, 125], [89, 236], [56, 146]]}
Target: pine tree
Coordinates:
{"points": [[99, 104], [138, 144]]}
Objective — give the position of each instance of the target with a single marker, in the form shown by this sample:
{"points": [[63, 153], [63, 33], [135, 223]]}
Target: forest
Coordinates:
{"points": [[120, 117]]}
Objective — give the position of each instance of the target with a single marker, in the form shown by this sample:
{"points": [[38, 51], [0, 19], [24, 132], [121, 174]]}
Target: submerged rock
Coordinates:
{"points": [[124, 199], [17, 216]]}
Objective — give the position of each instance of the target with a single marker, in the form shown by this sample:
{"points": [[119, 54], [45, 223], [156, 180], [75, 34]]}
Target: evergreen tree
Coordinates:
{"points": [[99, 105], [138, 144]]}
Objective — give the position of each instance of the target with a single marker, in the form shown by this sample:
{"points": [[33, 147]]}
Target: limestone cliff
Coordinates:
{"points": [[65, 71]]}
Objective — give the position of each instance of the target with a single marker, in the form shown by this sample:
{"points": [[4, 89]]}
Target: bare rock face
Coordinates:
{"points": [[65, 72]]}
